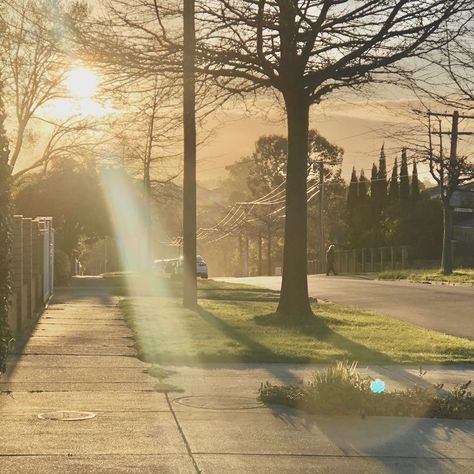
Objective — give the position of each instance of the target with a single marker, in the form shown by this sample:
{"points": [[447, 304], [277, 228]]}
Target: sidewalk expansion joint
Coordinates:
{"points": [[181, 432]]}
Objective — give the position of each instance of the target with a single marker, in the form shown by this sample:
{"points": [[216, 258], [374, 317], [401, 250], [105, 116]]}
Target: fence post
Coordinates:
{"points": [[404, 257], [27, 266], [17, 267], [392, 258], [36, 257], [381, 259], [372, 259], [363, 261]]}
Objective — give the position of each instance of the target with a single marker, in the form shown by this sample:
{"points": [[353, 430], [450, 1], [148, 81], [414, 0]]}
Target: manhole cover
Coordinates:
{"points": [[67, 415], [219, 403]]}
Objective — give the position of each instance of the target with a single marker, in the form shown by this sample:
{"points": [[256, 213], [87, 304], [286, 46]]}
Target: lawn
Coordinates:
{"points": [[236, 323], [462, 275]]}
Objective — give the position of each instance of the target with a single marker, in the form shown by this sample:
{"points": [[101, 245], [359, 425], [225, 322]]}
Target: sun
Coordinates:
{"points": [[82, 83], [82, 86]]}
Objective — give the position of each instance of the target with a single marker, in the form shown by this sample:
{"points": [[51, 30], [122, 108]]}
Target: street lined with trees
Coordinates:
{"points": [[106, 111], [294, 54]]}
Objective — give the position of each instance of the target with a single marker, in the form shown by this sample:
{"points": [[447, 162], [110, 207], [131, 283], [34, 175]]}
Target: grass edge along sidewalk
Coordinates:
{"points": [[460, 276], [238, 324]]}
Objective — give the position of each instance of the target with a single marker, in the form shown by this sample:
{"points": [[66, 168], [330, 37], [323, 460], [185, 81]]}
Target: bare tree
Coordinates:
{"points": [[451, 70], [34, 69], [149, 134], [306, 49], [450, 171]]}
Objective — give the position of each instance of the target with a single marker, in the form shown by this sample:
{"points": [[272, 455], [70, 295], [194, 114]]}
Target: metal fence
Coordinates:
{"points": [[33, 271], [365, 260]]}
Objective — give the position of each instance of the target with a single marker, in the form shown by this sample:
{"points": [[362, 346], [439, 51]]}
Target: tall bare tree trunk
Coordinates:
{"points": [[269, 251], [189, 175], [447, 256], [259, 249], [241, 256], [147, 264], [294, 300], [147, 161]]}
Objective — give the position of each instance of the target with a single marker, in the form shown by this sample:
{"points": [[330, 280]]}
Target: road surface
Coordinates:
{"points": [[448, 309]]}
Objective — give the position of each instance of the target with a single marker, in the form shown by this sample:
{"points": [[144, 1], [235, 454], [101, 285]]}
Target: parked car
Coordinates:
{"points": [[174, 267]]}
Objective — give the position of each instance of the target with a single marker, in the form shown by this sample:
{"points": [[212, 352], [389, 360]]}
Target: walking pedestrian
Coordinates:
{"points": [[330, 256]]}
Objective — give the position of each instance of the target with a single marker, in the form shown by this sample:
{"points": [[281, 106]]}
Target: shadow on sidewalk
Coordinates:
{"points": [[76, 292]]}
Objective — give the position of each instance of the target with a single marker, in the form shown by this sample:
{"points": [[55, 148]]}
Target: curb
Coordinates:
{"points": [[430, 282]]}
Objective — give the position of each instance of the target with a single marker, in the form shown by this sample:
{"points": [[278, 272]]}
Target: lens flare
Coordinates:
{"points": [[377, 386]]}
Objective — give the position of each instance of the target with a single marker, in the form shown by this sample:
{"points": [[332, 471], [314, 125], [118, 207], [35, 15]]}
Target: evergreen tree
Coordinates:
{"points": [[382, 180], [362, 188], [352, 207], [373, 183], [415, 184], [374, 193], [363, 211], [5, 236], [352, 195], [370, 236], [404, 178], [393, 190]]}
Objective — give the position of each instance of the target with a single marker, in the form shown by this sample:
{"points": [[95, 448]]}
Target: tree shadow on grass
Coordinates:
{"points": [[255, 349], [239, 294], [315, 327]]}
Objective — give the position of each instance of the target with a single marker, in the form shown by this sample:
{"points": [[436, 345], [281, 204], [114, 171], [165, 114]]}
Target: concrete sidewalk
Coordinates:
{"points": [[81, 358]]}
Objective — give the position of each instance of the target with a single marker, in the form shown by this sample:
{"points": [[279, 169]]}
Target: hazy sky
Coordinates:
{"points": [[359, 127]]}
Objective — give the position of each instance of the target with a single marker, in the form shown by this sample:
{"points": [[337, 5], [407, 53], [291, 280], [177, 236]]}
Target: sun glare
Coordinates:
{"points": [[82, 82]]}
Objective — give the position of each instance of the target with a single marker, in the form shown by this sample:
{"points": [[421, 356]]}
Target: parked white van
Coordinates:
{"points": [[174, 267]]}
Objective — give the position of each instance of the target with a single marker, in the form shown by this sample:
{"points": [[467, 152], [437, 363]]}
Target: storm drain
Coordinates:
{"points": [[67, 415], [219, 403]]}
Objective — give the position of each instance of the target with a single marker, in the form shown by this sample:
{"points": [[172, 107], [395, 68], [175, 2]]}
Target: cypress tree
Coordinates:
{"points": [[352, 207], [373, 187], [382, 179], [393, 190], [352, 195], [363, 214], [415, 184], [5, 236], [404, 178], [362, 188], [374, 218]]}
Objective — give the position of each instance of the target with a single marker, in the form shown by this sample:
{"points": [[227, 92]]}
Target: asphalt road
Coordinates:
{"points": [[448, 309]]}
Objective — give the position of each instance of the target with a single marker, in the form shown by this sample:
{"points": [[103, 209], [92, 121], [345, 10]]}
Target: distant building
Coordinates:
{"points": [[463, 228]]}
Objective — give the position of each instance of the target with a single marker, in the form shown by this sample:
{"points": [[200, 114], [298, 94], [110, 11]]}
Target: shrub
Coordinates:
{"points": [[62, 267], [341, 390], [5, 240]]}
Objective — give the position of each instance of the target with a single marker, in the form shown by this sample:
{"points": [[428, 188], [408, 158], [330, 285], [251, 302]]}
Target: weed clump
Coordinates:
{"points": [[341, 390]]}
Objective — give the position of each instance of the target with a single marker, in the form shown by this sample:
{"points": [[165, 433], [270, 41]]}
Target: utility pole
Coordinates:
{"points": [[447, 180], [322, 246], [447, 255], [246, 272], [259, 253], [241, 257], [189, 171]]}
